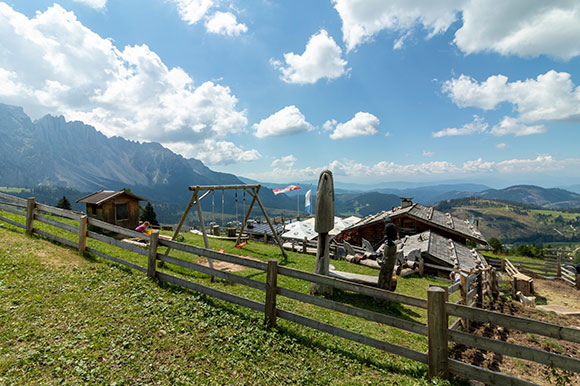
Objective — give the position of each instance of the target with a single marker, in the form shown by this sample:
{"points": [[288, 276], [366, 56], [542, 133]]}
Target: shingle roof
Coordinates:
{"points": [[98, 198], [429, 216]]}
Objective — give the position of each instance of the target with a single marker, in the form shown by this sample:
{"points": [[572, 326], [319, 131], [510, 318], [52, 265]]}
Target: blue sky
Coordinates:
{"points": [[377, 91]]}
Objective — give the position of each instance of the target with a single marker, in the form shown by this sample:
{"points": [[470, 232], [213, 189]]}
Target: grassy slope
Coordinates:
{"points": [[78, 320]]}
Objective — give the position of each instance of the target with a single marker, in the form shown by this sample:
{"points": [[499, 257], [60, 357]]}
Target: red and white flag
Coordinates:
{"points": [[289, 188]]}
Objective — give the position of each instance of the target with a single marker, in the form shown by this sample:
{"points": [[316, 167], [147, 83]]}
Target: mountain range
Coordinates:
{"points": [[52, 152]]}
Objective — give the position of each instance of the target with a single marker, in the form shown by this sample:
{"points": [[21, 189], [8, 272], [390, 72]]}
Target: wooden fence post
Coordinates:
{"points": [[479, 303], [304, 245], [559, 274], [437, 327], [153, 243], [30, 205], [421, 267], [82, 234], [578, 280], [265, 237], [502, 265], [271, 291], [463, 291]]}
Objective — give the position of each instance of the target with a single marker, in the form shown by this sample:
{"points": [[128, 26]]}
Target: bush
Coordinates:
{"points": [[496, 245], [64, 203]]}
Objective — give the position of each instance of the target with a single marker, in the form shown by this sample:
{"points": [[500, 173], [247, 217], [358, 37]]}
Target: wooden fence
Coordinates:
{"points": [[438, 308], [551, 267]]}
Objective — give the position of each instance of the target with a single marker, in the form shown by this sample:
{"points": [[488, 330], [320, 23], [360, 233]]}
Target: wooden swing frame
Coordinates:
{"points": [[195, 199]]}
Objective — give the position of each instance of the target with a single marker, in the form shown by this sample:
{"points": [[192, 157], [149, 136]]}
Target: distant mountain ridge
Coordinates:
{"points": [[54, 152]]}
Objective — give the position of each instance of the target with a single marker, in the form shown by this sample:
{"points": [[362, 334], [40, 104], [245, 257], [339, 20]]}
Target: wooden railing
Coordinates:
{"points": [[438, 308]]}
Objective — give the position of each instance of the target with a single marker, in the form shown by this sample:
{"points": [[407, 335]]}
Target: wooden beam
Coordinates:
{"points": [[83, 234], [437, 322], [222, 187], [30, 215], [271, 289], [246, 218], [152, 257], [203, 231], [276, 236]]}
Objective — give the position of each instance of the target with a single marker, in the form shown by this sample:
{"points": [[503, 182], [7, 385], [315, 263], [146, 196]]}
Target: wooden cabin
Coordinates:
{"points": [[411, 219], [115, 207]]}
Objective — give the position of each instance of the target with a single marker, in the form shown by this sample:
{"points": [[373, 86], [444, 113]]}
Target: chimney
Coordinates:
{"points": [[406, 202]]}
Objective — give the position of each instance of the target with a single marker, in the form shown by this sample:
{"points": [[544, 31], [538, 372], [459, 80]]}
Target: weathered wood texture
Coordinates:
{"points": [[83, 221], [58, 211], [271, 290], [484, 375], [9, 197], [30, 215], [116, 260], [12, 222], [437, 322], [353, 336], [117, 229], [12, 210], [152, 257], [55, 223], [117, 243], [55, 238]]}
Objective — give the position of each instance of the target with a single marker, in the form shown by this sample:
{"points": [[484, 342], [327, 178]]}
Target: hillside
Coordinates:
{"points": [[516, 223]]}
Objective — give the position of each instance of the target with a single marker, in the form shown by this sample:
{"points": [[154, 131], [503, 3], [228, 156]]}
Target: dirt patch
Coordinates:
{"points": [[223, 265], [557, 292], [535, 372]]}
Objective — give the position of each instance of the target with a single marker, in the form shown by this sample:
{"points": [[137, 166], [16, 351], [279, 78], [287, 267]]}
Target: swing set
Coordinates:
{"points": [[196, 198]]}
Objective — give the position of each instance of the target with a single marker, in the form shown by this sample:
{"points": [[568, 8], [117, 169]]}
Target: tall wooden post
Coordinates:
{"points": [[271, 292], [305, 245], [578, 280], [479, 303], [437, 328], [153, 243], [463, 288], [559, 274], [83, 234], [30, 215]]}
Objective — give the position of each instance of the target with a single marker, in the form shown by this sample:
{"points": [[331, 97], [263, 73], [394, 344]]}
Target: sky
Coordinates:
{"points": [[480, 91]]}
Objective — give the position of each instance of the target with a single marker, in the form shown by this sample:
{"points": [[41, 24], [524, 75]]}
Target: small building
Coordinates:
{"points": [[411, 219], [115, 207]]}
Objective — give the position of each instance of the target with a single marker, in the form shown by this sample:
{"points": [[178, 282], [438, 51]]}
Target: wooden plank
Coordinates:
{"points": [[455, 325], [523, 324], [11, 222], [437, 322], [12, 204], [222, 187], [516, 350], [117, 243], [259, 265], [55, 238], [30, 204], [357, 288], [10, 209], [470, 295], [439, 267], [571, 282], [271, 292], [454, 287], [532, 263], [214, 272], [13, 198], [57, 224], [372, 316], [251, 304], [82, 234], [353, 336], [117, 229], [484, 375], [116, 260], [59, 212]]}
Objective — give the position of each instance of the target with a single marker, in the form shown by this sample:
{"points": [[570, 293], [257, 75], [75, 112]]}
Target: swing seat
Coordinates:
{"points": [[222, 250], [240, 245]]}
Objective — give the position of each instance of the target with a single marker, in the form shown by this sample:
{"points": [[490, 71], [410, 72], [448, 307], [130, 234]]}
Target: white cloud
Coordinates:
{"points": [[512, 126], [287, 121], [322, 58], [96, 4], [551, 96], [225, 23], [351, 170], [54, 64], [288, 161], [525, 28], [361, 124], [428, 153], [192, 11], [329, 125], [501, 146], [214, 152], [477, 126]]}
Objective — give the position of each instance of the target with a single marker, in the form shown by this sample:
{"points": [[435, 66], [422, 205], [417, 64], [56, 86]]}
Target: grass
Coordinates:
{"points": [[68, 319], [7, 189]]}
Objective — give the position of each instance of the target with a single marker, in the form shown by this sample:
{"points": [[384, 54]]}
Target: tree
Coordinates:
{"points": [[496, 245], [64, 203], [148, 214]]}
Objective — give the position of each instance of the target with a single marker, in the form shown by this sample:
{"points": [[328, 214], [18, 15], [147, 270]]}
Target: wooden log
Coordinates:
{"points": [[192, 249], [559, 267], [484, 375], [357, 288], [346, 309], [117, 229], [57, 224], [479, 287], [13, 198], [30, 215], [304, 245], [437, 322], [214, 272], [116, 260], [353, 336], [82, 234], [578, 280], [523, 324], [251, 304], [11, 209], [152, 256], [271, 289], [421, 267], [516, 350], [454, 287], [117, 243], [55, 238], [58, 211], [16, 224], [222, 187]]}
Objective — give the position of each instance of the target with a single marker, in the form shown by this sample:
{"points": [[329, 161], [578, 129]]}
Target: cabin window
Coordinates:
{"points": [[94, 210], [121, 212]]}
